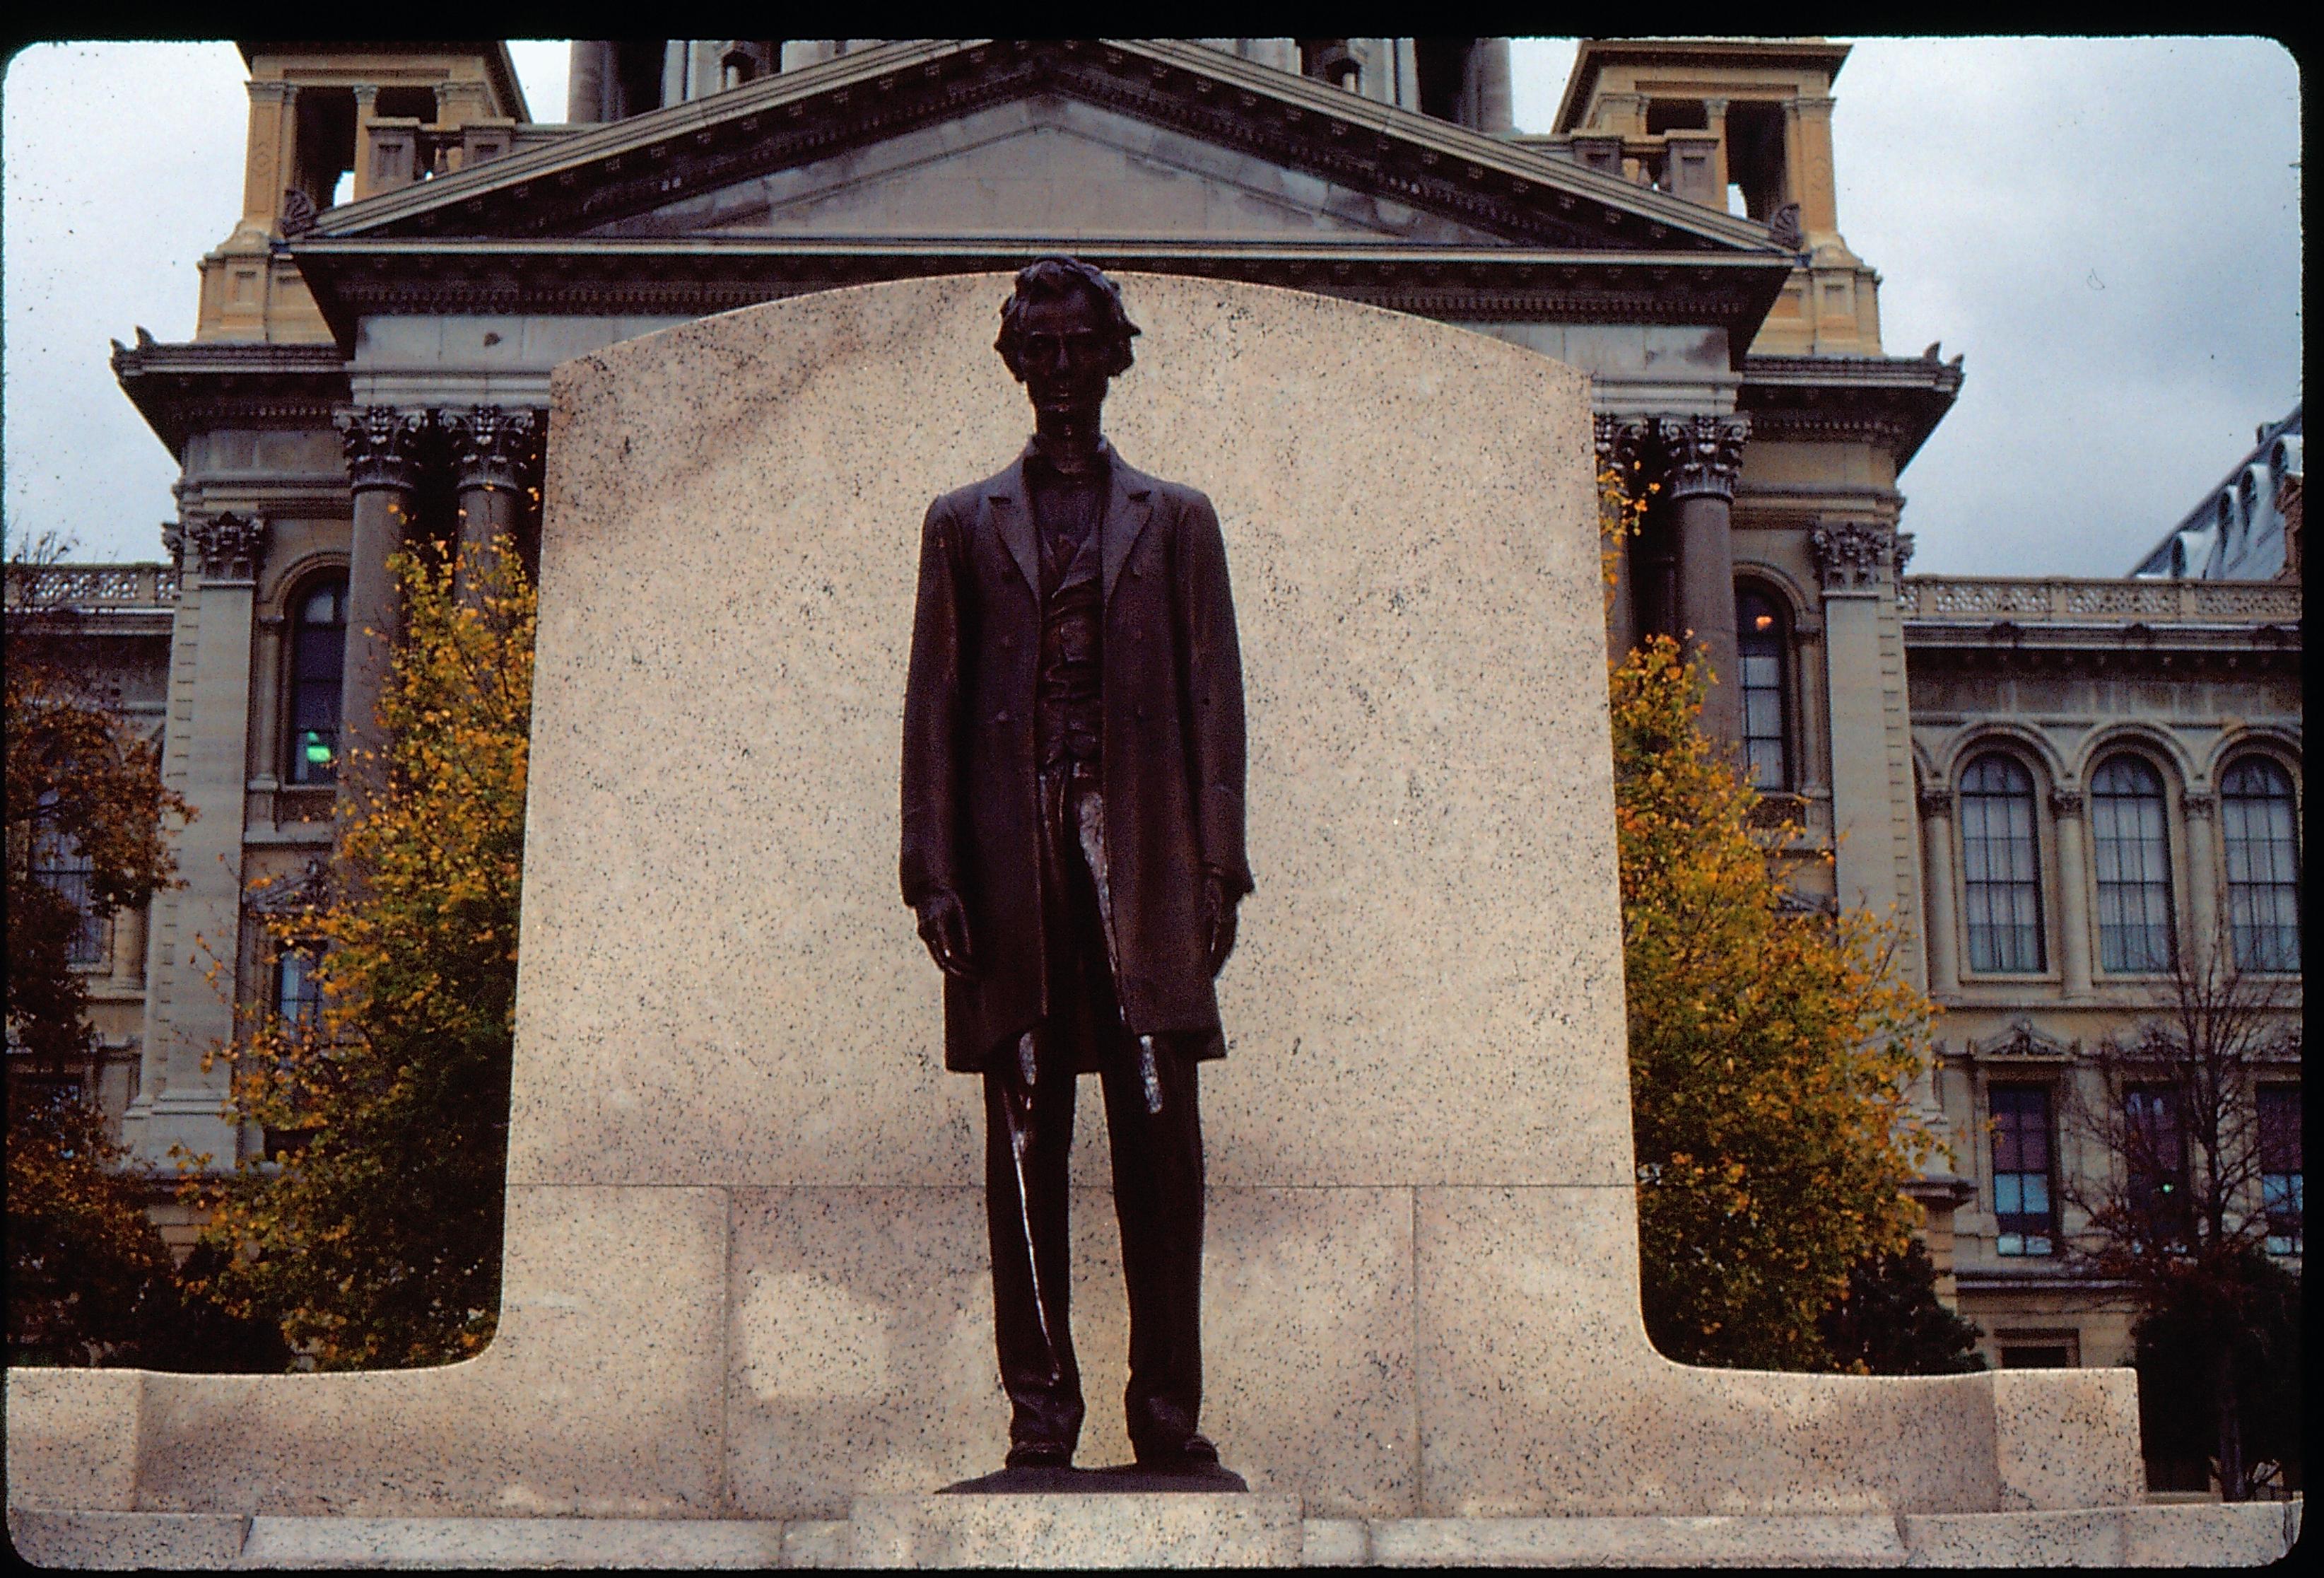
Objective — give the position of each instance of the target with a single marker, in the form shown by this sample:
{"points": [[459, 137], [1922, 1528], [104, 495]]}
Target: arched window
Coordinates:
{"points": [[1761, 639], [318, 656], [2131, 845], [2261, 828], [2001, 884]]}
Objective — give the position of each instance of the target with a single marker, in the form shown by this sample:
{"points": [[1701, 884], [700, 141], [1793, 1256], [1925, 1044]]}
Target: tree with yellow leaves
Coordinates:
{"points": [[1771, 1050], [372, 1235]]}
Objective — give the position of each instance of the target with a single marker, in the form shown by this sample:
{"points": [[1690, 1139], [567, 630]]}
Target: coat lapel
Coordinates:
{"points": [[1012, 519], [1125, 517]]}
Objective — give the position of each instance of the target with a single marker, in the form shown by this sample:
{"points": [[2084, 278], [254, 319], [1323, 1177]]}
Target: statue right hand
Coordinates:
{"points": [[943, 927]]}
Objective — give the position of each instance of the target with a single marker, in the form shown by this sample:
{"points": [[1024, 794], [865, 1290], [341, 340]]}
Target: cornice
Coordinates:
{"points": [[181, 389], [692, 275], [1892, 401]]}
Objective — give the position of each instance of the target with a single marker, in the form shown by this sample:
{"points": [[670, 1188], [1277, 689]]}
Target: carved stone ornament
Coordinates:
{"points": [[1701, 454], [297, 213], [2065, 802], [1851, 558], [227, 547], [1784, 224], [493, 445], [1936, 802], [2022, 1042], [1625, 447], [381, 445], [301, 892], [2198, 804]]}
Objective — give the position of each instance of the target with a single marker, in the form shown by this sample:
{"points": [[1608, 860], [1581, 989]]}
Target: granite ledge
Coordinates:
{"points": [[1265, 1531]]}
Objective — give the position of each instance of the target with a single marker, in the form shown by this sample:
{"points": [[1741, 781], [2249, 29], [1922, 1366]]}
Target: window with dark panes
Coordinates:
{"points": [[2260, 827], [1760, 638], [2280, 1174], [2001, 870], [2155, 1163], [2021, 1187], [318, 655], [2131, 848], [58, 865], [298, 1000]]}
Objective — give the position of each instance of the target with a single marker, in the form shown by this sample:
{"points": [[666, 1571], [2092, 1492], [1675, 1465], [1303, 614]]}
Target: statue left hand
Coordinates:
{"points": [[1218, 918]]}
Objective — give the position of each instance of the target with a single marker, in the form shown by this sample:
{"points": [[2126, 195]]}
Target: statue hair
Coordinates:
{"points": [[1045, 279]]}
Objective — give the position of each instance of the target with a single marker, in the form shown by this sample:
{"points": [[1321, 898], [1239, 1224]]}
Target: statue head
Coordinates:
{"points": [[1064, 334]]}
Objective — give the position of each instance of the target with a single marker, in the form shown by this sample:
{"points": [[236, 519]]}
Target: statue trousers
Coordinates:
{"points": [[1157, 1140]]}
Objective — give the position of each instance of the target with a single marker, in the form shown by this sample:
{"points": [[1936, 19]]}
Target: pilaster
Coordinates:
{"points": [[2067, 811], [2202, 821], [1939, 877], [197, 927], [1872, 795]]}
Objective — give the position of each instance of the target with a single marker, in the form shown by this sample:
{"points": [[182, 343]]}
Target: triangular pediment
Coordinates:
{"points": [[1048, 139], [1049, 166]]}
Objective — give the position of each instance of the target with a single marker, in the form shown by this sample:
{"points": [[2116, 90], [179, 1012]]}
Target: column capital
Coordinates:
{"points": [[1701, 454], [271, 92], [1936, 803], [1851, 558], [381, 445], [2064, 802], [494, 446], [1625, 447], [227, 547], [2198, 803]]}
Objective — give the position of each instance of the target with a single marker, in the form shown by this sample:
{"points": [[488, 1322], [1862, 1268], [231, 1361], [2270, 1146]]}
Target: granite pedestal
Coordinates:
{"points": [[745, 1271]]}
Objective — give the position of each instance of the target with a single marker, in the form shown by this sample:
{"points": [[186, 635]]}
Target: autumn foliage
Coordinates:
{"points": [[1771, 1051], [375, 1236], [88, 1272]]}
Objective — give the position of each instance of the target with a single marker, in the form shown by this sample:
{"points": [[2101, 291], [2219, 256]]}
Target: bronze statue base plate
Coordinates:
{"points": [[1123, 1480]]}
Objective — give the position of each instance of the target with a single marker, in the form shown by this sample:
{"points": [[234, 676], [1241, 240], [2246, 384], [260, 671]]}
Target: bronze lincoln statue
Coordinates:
{"points": [[1073, 843]]}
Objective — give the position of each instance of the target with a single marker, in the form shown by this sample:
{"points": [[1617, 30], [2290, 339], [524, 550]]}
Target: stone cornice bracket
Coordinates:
{"points": [[1850, 558], [1625, 447], [381, 445], [493, 446], [2065, 802], [1701, 454], [227, 547]]}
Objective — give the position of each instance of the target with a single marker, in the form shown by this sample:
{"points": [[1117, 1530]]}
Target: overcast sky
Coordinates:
{"points": [[2108, 228]]}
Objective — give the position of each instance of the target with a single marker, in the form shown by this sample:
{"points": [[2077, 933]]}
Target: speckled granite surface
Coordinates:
{"points": [[745, 1243]]}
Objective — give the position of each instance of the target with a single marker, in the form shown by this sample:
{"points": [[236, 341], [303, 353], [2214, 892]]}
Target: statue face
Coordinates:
{"points": [[1063, 348]]}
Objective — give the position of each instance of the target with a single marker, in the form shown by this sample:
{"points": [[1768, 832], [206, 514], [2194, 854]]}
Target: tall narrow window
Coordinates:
{"points": [[1760, 637], [2280, 1167], [2022, 1207], [298, 1000], [58, 865], [318, 655], [2261, 828], [2001, 886], [2154, 1162], [2133, 852]]}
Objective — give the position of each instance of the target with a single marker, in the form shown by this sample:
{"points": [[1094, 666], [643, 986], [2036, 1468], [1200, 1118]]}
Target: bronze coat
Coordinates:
{"points": [[1173, 755]]}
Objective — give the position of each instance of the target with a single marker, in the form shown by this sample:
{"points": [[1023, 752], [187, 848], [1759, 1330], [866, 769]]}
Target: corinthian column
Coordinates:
{"points": [[495, 456], [1702, 456], [1622, 447], [383, 447]]}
